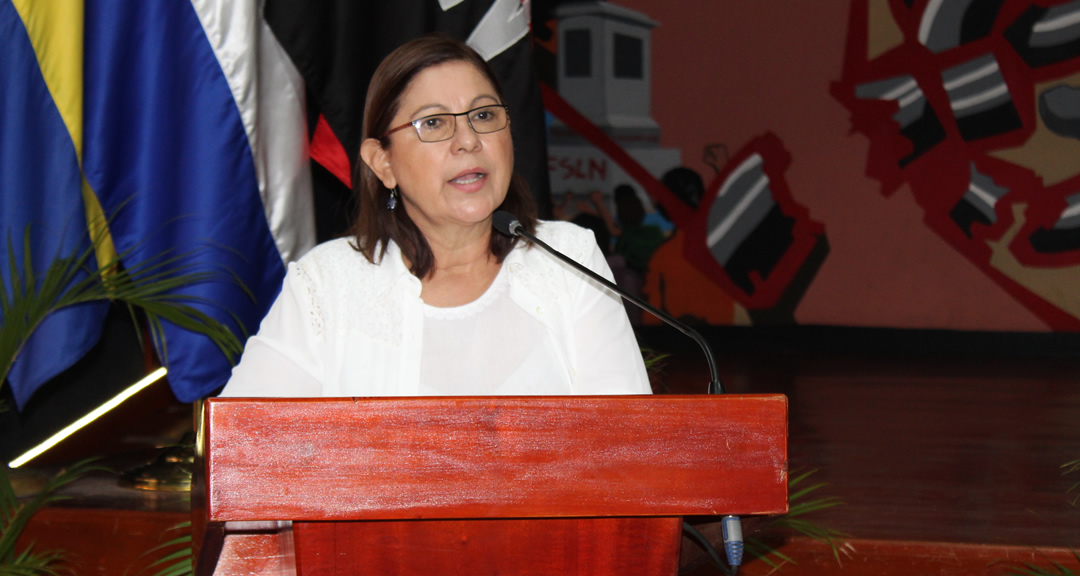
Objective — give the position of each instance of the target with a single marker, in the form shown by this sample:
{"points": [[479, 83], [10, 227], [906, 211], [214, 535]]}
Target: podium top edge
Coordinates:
{"points": [[497, 398], [613, 398]]}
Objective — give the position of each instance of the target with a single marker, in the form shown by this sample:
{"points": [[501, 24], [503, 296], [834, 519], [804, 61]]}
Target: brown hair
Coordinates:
{"points": [[373, 225]]}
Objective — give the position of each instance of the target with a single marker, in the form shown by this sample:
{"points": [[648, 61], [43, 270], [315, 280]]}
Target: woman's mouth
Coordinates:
{"points": [[470, 178]]}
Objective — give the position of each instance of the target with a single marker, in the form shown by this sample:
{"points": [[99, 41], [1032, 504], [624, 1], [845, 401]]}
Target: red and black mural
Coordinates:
{"points": [[737, 249], [886, 163], [973, 108]]}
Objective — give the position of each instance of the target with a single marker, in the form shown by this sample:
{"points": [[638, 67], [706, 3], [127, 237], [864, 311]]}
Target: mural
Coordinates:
{"points": [[883, 163], [974, 107], [895, 163], [738, 251]]}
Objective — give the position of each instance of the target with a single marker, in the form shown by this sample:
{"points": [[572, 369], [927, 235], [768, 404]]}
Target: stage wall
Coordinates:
{"points": [[890, 167]]}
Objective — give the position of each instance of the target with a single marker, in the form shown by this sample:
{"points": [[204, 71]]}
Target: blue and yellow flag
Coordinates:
{"points": [[180, 120]]}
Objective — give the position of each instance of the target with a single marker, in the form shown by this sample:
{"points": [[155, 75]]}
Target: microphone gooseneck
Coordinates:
{"points": [[507, 224]]}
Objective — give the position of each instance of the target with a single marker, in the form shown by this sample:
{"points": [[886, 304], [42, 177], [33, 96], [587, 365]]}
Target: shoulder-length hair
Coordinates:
{"points": [[373, 225]]}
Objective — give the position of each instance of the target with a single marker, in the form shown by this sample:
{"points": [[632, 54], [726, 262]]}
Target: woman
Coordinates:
{"points": [[424, 298]]}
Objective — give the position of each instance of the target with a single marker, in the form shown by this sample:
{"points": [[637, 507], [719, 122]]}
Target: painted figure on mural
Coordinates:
{"points": [[675, 287], [628, 240], [750, 242]]}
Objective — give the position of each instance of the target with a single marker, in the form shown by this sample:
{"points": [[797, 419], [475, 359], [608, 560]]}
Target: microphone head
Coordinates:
{"points": [[505, 223]]}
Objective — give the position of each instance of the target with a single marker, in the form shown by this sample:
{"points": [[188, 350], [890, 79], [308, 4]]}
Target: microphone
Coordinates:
{"points": [[507, 224]]}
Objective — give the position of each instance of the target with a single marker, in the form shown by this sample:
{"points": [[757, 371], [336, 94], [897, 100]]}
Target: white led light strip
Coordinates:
{"points": [[94, 415]]}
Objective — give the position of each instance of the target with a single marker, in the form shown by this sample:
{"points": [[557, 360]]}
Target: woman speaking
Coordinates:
{"points": [[423, 297]]}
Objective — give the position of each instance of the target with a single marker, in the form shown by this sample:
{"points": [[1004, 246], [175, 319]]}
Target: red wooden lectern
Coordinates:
{"points": [[477, 485]]}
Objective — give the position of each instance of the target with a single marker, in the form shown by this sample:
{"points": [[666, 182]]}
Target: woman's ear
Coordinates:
{"points": [[376, 158]]}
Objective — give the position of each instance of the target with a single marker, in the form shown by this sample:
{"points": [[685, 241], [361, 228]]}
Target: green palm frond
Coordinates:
{"points": [[178, 560], [14, 516], [655, 363], [29, 564], [774, 558], [1057, 568], [798, 506], [68, 280], [1069, 468], [148, 286]]}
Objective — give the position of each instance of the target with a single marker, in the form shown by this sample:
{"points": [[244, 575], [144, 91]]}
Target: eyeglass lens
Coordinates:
{"points": [[440, 127]]}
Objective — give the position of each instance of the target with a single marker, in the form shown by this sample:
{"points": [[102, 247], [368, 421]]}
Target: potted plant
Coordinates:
{"points": [[148, 287]]}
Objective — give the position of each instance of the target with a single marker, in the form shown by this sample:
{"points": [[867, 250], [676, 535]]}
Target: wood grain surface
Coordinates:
{"points": [[509, 457], [594, 546], [103, 541]]}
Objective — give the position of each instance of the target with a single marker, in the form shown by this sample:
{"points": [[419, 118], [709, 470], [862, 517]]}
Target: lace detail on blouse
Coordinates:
{"points": [[341, 279], [547, 276], [312, 300], [381, 320]]}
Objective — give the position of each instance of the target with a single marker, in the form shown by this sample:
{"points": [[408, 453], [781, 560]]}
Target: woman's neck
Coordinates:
{"points": [[464, 269], [459, 253]]}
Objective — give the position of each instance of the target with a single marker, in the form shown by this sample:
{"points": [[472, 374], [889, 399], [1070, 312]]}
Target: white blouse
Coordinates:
{"points": [[467, 350], [343, 326]]}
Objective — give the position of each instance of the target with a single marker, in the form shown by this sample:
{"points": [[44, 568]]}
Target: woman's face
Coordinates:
{"points": [[456, 182]]}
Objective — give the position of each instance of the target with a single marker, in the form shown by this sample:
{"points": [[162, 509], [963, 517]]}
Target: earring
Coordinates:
{"points": [[391, 202]]}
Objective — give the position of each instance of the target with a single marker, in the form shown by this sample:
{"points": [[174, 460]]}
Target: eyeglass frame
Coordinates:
{"points": [[414, 123]]}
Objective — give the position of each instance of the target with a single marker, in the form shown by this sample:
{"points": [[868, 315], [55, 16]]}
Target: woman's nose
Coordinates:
{"points": [[465, 138]]}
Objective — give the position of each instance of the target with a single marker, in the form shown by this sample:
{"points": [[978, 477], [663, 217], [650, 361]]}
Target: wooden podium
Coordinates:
{"points": [[476, 485]]}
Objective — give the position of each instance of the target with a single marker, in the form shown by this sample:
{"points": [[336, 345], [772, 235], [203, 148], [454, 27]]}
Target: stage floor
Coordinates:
{"points": [[951, 454], [935, 450]]}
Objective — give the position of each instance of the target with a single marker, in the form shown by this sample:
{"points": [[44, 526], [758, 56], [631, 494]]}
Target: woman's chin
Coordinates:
{"points": [[476, 212], [478, 218]]}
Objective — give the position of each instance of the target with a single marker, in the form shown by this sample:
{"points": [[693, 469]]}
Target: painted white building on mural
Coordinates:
{"points": [[605, 72]]}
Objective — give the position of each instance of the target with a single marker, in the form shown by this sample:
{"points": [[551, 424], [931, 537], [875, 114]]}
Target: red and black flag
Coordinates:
{"points": [[337, 44]]}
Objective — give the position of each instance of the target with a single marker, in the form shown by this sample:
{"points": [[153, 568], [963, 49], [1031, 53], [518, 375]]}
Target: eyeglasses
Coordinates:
{"points": [[439, 127]]}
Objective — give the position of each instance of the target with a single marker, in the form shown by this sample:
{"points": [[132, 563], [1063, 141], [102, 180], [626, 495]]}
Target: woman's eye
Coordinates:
{"points": [[432, 123], [483, 116]]}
